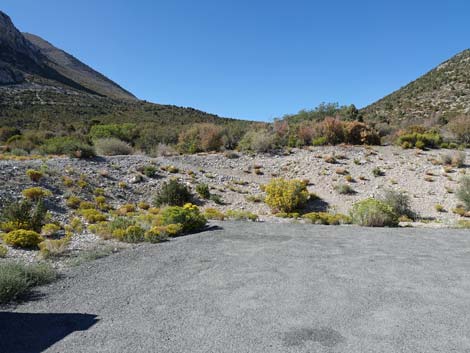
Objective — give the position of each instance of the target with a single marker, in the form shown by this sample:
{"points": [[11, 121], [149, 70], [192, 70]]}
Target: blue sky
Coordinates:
{"points": [[255, 59]]}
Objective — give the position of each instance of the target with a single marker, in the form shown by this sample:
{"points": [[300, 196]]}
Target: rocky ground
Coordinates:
{"points": [[237, 180]]}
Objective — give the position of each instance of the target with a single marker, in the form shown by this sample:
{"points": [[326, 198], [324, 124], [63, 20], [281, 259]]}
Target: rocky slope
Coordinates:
{"points": [[441, 93]]}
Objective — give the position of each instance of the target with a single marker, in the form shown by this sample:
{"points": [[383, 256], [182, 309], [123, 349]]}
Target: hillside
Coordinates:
{"points": [[442, 93], [41, 85]]}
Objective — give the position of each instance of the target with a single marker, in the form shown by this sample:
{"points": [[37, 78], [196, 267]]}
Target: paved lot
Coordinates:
{"points": [[254, 287]]}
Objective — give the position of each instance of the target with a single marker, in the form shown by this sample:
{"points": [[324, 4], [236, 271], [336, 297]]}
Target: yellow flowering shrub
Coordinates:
{"points": [[286, 195]]}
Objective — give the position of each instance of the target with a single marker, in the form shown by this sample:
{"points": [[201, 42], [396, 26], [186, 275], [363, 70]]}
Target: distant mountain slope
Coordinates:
{"points": [[70, 67], [43, 85], [443, 92]]}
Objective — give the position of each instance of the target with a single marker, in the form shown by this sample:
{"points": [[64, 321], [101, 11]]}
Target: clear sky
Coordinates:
{"points": [[253, 59]]}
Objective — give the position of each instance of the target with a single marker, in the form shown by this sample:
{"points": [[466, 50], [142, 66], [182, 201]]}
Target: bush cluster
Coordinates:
{"points": [[286, 195], [21, 238], [373, 213], [112, 146], [172, 193]]}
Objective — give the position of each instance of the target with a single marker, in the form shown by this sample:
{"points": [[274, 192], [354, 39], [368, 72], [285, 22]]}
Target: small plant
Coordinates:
{"points": [[54, 247], [50, 229], [217, 199], [341, 171], [439, 208], [143, 205], [286, 195], [17, 279], [349, 178], [203, 191], [155, 235], [34, 175], [373, 213], [99, 192], [3, 251], [132, 234], [21, 238], [214, 214], [241, 215], [327, 218], [93, 216], [36, 193], [377, 172], [463, 192], [67, 181], [86, 205], [172, 193], [73, 202], [122, 185], [149, 171], [330, 159], [344, 189]]}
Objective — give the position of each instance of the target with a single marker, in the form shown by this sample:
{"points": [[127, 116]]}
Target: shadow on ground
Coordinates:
{"points": [[31, 333]]}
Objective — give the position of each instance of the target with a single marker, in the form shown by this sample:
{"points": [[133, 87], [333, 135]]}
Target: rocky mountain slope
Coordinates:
{"points": [[25, 58], [442, 93]]}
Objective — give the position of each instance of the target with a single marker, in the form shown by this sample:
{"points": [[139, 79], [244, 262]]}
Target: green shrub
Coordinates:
{"points": [[217, 199], [93, 216], [213, 213], [112, 147], [258, 141], [286, 195], [319, 141], [34, 175], [373, 213], [155, 235], [3, 251], [172, 193], [238, 215], [399, 202], [463, 192], [36, 193], [203, 191], [420, 140], [327, 218], [126, 132], [69, 146], [200, 137], [188, 216], [377, 172], [132, 234], [23, 214], [344, 189], [149, 171], [16, 279], [22, 238]]}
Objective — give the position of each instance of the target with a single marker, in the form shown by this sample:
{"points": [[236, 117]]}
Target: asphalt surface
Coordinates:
{"points": [[255, 287]]}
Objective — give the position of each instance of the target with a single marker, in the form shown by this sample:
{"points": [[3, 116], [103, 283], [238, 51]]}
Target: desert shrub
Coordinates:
{"points": [[54, 247], [155, 235], [188, 216], [86, 205], [172, 193], [217, 199], [200, 137], [125, 132], [36, 193], [377, 172], [258, 141], [22, 238], [420, 140], [215, 214], [126, 209], [203, 191], [286, 195], [17, 279], [132, 234], [373, 213], [358, 133], [332, 130], [143, 205], [93, 216], [460, 127], [458, 159], [34, 175], [439, 208], [23, 214], [239, 215], [319, 141], [112, 147], [149, 171], [463, 192], [399, 201], [327, 218], [69, 146], [3, 251], [50, 229], [7, 132], [344, 189]]}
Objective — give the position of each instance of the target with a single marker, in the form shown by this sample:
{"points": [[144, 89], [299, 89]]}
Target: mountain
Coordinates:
{"points": [[70, 67], [442, 93], [42, 86]]}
